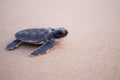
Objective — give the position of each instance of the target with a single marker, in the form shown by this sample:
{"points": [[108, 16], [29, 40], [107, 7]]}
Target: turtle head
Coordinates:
{"points": [[60, 33]]}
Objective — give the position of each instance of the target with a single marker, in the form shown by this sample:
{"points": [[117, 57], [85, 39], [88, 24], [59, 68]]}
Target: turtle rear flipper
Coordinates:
{"points": [[13, 44], [43, 49]]}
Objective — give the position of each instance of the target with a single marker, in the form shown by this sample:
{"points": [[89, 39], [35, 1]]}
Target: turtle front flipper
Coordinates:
{"points": [[13, 44], [43, 49]]}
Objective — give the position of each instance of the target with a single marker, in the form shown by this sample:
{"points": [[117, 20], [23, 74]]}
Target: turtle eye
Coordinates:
{"points": [[60, 32]]}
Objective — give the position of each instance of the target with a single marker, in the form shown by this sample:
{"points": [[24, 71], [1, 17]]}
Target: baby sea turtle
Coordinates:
{"points": [[46, 37]]}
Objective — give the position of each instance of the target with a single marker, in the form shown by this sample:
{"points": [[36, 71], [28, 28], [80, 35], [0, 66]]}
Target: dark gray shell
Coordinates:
{"points": [[32, 35]]}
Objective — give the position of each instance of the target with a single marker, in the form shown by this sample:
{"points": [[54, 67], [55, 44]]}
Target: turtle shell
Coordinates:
{"points": [[32, 35]]}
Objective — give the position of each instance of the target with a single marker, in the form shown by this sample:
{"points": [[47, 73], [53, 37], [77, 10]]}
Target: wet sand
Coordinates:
{"points": [[91, 51]]}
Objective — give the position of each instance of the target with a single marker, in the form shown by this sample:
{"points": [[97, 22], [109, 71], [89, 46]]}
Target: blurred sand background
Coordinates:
{"points": [[91, 51]]}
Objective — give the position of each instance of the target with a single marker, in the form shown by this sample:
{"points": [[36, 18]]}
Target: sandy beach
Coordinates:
{"points": [[91, 51]]}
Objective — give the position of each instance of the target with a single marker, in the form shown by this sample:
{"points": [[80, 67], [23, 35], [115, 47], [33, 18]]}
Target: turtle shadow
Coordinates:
{"points": [[29, 46]]}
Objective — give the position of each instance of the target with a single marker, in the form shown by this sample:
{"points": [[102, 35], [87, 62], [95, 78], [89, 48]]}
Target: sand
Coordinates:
{"points": [[91, 51]]}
